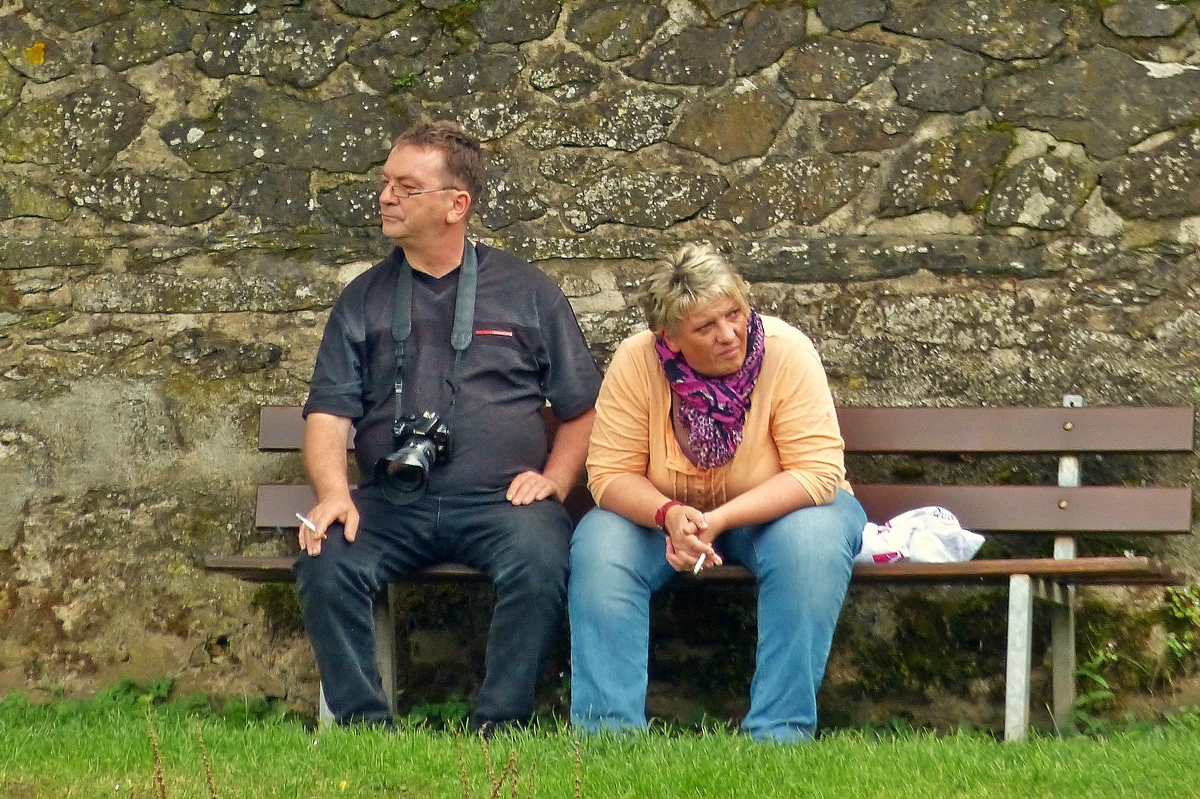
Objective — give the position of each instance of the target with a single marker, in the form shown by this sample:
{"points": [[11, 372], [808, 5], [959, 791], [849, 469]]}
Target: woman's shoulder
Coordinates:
{"points": [[643, 340], [788, 349], [635, 348], [776, 328]]}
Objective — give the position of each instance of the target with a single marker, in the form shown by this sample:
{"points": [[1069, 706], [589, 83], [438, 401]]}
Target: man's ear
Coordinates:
{"points": [[460, 209]]}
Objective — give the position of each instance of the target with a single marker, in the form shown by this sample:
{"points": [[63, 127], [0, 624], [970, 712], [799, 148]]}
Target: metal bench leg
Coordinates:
{"points": [[1062, 609], [1062, 648], [1062, 634], [324, 714], [1020, 644], [385, 643]]}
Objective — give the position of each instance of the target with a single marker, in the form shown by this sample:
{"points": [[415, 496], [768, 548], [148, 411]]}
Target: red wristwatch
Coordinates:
{"points": [[660, 515]]}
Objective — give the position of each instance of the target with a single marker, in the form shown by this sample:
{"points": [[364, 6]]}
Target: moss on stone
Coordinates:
{"points": [[458, 16], [279, 606], [44, 320], [942, 641], [1114, 643]]}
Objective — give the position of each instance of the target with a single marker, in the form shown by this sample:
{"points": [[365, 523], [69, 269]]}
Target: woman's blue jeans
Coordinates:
{"points": [[802, 563]]}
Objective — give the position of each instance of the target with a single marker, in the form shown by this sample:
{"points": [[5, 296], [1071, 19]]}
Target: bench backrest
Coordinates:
{"points": [[985, 508]]}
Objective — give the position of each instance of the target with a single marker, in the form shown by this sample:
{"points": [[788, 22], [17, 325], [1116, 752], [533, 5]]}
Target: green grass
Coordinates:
{"points": [[103, 748]]}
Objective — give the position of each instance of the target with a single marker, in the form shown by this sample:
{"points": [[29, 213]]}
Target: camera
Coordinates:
{"points": [[421, 441]]}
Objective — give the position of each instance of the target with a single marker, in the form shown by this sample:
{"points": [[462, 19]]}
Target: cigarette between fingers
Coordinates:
{"points": [[699, 563], [309, 525]]}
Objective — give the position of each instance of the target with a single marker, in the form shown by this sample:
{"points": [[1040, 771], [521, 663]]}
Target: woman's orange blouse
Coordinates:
{"points": [[791, 426]]}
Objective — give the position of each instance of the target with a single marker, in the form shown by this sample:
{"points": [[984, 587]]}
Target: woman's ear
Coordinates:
{"points": [[670, 341]]}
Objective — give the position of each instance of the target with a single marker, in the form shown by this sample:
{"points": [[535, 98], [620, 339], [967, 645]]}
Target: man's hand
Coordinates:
{"points": [[532, 486], [323, 515]]}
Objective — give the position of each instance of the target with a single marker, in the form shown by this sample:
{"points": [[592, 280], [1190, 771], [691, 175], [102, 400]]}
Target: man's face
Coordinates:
{"points": [[416, 194]]}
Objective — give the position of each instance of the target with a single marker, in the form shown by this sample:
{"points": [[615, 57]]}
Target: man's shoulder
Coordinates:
{"points": [[504, 259], [515, 284], [363, 283]]}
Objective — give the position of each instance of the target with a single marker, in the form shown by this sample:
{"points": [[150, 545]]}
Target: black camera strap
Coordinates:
{"points": [[460, 334]]}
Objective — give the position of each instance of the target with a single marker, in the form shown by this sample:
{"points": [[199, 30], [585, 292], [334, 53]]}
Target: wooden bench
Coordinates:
{"points": [[1065, 512]]}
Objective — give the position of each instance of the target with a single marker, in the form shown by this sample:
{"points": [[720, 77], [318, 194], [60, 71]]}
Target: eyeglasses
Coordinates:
{"points": [[403, 192]]}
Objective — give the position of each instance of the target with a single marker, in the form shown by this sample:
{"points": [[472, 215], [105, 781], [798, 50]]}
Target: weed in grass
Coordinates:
{"points": [[1099, 693], [1183, 611], [510, 774], [127, 694], [462, 771], [159, 783], [244, 712], [208, 773], [1186, 718], [487, 758], [449, 715]]}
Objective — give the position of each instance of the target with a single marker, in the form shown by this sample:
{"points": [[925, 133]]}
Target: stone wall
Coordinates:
{"points": [[994, 202]]}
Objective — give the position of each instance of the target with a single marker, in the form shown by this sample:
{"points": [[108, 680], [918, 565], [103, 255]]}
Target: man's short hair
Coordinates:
{"points": [[692, 276], [463, 154]]}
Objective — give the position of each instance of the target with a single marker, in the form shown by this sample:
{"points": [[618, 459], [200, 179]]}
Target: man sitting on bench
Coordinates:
{"points": [[443, 356]]}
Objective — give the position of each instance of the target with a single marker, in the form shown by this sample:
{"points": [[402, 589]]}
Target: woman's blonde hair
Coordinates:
{"points": [[693, 275]]}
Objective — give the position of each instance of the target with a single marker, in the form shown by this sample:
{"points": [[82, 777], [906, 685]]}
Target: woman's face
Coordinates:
{"points": [[712, 337]]}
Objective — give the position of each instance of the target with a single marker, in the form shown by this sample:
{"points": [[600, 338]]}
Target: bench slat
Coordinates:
{"points": [[1012, 509], [1095, 429], [278, 505], [1095, 571], [281, 428], [1036, 509]]}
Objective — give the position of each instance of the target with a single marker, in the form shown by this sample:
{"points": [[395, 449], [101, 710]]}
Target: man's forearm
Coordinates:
{"points": [[324, 449], [569, 451]]}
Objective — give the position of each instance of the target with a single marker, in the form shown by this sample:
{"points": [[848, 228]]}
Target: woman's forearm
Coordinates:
{"points": [[766, 502], [634, 497]]}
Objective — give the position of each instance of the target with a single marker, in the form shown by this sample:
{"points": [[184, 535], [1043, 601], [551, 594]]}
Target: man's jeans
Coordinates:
{"points": [[524, 551], [802, 562]]}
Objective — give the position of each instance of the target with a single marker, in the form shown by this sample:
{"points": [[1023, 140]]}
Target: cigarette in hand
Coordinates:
{"points": [[308, 524], [699, 563]]}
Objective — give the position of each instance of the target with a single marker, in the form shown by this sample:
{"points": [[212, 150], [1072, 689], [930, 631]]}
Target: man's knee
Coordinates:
{"points": [[333, 573], [536, 550]]}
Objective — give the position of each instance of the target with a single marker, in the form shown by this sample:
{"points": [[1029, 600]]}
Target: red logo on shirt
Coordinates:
{"points": [[492, 332]]}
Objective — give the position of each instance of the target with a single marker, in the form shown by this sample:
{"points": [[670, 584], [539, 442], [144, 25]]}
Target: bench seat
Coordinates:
{"points": [[1089, 571]]}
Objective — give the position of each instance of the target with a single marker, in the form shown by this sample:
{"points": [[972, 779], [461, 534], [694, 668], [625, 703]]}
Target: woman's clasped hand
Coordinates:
{"points": [[689, 537]]}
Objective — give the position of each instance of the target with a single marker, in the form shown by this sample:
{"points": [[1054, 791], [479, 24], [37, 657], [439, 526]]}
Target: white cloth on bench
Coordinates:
{"points": [[925, 535]]}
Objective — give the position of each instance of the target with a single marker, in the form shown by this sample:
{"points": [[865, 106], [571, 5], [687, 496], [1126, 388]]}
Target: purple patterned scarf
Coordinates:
{"points": [[713, 409]]}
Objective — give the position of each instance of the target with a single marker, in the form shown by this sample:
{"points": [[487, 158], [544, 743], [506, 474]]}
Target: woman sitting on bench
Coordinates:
{"points": [[716, 428]]}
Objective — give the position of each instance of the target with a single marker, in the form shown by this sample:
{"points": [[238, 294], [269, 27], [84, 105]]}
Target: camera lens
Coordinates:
{"points": [[408, 467], [404, 475]]}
